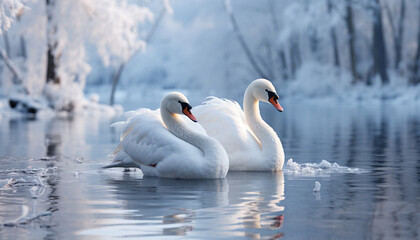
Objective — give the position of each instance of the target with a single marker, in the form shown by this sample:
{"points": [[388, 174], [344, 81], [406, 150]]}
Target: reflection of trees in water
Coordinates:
{"points": [[384, 140], [395, 157], [53, 145], [414, 136], [53, 138]]}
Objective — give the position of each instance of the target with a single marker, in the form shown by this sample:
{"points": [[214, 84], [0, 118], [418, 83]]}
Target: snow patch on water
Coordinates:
{"points": [[318, 169]]}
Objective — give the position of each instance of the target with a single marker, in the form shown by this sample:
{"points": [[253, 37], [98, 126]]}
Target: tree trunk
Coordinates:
{"points": [[295, 57], [379, 50], [51, 58], [314, 42], [23, 47], [283, 61], [397, 32], [400, 35], [415, 79], [6, 43], [292, 61], [115, 83], [243, 43], [333, 36], [118, 75], [351, 40]]}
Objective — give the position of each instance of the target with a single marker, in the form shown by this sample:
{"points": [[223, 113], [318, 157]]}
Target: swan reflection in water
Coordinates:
{"points": [[161, 206], [242, 204], [257, 198]]}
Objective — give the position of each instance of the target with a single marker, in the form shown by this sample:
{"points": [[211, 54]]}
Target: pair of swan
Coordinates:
{"points": [[164, 143]]}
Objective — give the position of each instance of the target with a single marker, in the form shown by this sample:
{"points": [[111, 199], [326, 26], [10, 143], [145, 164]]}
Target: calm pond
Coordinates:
{"points": [[53, 187]]}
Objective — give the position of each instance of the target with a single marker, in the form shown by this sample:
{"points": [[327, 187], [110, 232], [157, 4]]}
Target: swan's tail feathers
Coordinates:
{"points": [[129, 114], [116, 151], [121, 164], [121, 159], [118, 125]]}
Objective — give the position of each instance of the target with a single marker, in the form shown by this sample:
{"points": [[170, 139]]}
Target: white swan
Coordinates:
{"points": [[251, 144], [161, 144]]}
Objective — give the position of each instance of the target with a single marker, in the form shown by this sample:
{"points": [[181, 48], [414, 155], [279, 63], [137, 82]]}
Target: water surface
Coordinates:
{"points": [[63, 194]]}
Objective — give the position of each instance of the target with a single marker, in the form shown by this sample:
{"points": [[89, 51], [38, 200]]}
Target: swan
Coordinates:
{"points": [[251, 144], [162, 144]]}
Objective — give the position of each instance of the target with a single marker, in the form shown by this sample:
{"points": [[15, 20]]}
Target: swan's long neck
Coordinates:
{"points": [[270, 143], [176, 126]]}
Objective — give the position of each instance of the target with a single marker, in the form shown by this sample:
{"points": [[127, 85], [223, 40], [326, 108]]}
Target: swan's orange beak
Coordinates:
{"points": [[276, 104], [188, 113]]}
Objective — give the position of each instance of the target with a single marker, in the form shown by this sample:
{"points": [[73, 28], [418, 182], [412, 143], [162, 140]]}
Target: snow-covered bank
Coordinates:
{"points": [[24, 106], [316, 82]]}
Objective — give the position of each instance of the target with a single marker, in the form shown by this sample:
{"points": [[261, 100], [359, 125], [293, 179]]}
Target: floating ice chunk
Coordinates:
{"points": [[317, 187], [325, 164], [79, 160], [6, 184], [292, 165], [324, 168]]}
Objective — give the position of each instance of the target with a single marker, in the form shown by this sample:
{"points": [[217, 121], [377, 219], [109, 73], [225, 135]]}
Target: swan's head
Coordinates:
{"points": [[177, 103], [263, 90]]}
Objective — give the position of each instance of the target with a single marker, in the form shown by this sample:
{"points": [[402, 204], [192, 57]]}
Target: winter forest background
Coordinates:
{"points": [[70, 55]]}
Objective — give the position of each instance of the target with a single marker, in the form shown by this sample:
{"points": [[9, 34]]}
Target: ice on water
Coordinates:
{"points": [[317, 187], [324, 168]]}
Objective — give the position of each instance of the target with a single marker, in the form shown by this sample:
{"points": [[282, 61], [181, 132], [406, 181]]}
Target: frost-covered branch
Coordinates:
{"points": [[166, 9], [9, 9], [242, 41], [17, 79], [111, 26]]}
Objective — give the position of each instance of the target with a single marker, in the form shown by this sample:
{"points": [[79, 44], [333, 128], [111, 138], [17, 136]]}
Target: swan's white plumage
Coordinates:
{"points": [[252, 145], [224, 120], [147, 143]]}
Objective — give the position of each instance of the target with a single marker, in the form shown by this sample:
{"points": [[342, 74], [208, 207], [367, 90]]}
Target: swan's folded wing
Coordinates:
{"points": [[224, 120], [146, 139]]}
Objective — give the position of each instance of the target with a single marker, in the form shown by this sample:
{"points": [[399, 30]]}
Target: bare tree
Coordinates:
{"points": [[397, 32], [295, 54], [379, 50], [117, 76], [351, 40], [280, 52], [333, 36], [17, 77], [242, 41], [6, 43], [52, 60], [415, 79], [283, 62]]}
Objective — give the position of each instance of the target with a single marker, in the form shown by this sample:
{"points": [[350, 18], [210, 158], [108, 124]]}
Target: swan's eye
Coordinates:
{"points": [[272, 95], [186, 109], [185, 105]]}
